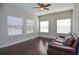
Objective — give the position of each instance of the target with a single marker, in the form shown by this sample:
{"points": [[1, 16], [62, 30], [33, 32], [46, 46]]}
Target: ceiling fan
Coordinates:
{"points": [[42, 6]]}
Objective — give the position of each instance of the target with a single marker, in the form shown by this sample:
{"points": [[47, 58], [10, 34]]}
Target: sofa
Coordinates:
{"points": [[63, 46]]}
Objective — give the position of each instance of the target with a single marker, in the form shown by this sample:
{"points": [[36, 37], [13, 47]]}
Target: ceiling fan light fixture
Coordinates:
{"points": [[41, 8]]}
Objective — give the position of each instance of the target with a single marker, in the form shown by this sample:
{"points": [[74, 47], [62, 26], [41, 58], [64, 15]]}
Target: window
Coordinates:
{"points": [[44, 26], [64, 26], [29, 26], [14, 25]]}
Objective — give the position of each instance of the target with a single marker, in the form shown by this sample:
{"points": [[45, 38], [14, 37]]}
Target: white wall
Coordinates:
{"points": [[8, 10], [52, 18], [76, 19]]}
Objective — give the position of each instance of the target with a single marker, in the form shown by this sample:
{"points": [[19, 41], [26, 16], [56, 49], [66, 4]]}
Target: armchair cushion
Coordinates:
{"points": [[60, 40], [57, 43], [68, 41]]}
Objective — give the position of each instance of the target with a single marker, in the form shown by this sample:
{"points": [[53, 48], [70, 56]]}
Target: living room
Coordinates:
{"points": [[31, 30]]}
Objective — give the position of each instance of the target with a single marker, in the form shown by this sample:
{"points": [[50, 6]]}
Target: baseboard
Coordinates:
{"points": [[17, 42]]}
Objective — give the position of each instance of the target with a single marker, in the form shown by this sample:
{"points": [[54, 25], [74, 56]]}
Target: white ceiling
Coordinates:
{"points": [[55, 7]]}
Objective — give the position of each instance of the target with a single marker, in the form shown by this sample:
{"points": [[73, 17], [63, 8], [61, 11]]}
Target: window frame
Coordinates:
{"points": [[33, 27], [15, 26], [70, 25], [40, 27]]}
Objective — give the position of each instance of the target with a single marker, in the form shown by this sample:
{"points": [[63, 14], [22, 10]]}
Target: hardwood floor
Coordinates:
{"points": [[37, 46]]}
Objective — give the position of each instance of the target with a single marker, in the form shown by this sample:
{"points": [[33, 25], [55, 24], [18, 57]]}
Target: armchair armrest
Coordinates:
{"points": [[62, 48]]}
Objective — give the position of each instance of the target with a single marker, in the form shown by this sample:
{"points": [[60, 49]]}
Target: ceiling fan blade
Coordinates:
{"points": [[40, 4], [47, 5], [46, 8]]}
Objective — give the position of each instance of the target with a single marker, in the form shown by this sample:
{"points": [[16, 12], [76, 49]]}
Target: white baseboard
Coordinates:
{"points": [[16, 42]]}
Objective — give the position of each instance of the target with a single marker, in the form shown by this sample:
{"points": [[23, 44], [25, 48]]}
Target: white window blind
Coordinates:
{"points": [[14, 25], [44, 26], [29, 26], [64, 26]]}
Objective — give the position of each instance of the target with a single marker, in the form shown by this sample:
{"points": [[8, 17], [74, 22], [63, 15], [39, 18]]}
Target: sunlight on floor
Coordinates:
{"points": [[43, 47]]}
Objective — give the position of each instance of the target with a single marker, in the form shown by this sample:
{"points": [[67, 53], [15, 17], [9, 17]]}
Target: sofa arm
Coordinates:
{"points": [[62, 48]]}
